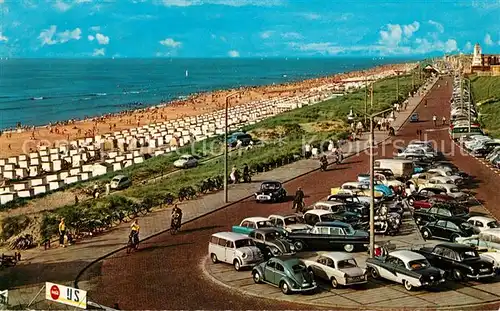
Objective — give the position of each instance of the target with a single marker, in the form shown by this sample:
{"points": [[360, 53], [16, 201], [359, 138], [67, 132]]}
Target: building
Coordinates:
{"points": [[485, 64]]}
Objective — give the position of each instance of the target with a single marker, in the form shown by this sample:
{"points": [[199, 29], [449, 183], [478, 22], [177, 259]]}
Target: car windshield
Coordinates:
{"points": [[266, 223], [293, 220], [493, 224], [328, 217], [418, 264], [244, 243], [116, 179], [472, 254], [298, 268], [349, 230], [347, 263], [185, 157], [270, 186], [272, 236]]}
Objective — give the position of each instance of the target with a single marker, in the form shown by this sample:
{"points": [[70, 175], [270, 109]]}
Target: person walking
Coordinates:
{"points": [[62, 233], [434, 119]]}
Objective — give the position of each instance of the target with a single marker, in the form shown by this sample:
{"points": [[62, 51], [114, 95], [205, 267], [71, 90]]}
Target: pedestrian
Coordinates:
{"points": [[62, 233], [434, 119], [76, 199], [444, 120]]}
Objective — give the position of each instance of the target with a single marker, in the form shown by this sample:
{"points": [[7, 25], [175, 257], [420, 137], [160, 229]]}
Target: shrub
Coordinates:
{"points": [[14, 225]]}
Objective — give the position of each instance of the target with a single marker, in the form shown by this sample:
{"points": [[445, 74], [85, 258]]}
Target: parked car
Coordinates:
{"points": [[330, 236], [312, 217], [414, 117], [482, 223], [354, 212], [405, 267], [355, 185], [399, 167], [331, 206], [288, 273], [340, 269], [245, 139], [290, 223], [249, 224], [435, 199], [349, 198], [457, 180], [440, 212], [424, 193], [271, 191], [271, 242], [462, 262], [446, 230], [186, 161], [454, 192], [233, 248], [120, 182]]}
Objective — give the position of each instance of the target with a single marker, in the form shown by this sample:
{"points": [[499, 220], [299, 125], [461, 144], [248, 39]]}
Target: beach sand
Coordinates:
{"points": [[28, 140]]}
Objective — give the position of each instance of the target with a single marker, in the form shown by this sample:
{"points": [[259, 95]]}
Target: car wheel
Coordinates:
{"points": [[256, 277], [457, 275], [237, 265], [411, 201], [334, 282], [349, 248], [407, 285], [374, 273], [418, 220], [299, 245], [284, 288], [454, 238], [426, 234], [214, 258]]}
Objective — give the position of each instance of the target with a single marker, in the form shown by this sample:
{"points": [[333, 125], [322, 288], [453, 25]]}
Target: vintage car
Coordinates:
{"points": [[290, 223], [428, 202], [452, 213], [271, 191], [446, 230], [437, 180], [354, 212], [457, 180], [424, 193], [233, 248], [406, 267], [331, 206], [337, 268], [421, 179], [288, 273], [364, 180], [247, 225], [461, 261], [351, 197], [390, 181], [330, 236], [414, 117], [482, 223], [363, 188], [186, 161], [487, 247], [271, 242], [453, 191], [311, 217]]}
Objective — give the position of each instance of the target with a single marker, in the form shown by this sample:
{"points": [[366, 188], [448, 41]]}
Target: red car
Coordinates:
{"points": [[435, 199]]}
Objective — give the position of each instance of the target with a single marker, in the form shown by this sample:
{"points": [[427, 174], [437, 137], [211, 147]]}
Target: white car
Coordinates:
{"points": [[314, 216], [452, 191], [437, 180], [337, 268], [233, 248], [482, 223], [330, 206], [457, 180], [290, 223], [186, 161]]}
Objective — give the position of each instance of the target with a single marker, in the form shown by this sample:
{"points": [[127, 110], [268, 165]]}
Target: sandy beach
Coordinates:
{"points": [[29, 138]]}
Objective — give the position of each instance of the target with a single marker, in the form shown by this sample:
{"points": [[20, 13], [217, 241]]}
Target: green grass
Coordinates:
{"points": [[486, 92]]}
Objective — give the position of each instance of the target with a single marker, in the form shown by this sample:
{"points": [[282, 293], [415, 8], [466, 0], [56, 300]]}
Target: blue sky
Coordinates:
{"points": [[246, 28]]}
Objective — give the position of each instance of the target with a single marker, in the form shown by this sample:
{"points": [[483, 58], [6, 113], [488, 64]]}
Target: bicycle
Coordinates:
{"points": [[133, 242]]}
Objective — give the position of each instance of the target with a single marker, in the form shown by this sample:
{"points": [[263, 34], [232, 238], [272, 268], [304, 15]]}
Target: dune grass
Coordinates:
{"points": [[486, 92]]}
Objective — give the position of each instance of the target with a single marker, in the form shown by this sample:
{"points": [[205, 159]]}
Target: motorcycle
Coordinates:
{"points": [[247, 178], [175, 225]]}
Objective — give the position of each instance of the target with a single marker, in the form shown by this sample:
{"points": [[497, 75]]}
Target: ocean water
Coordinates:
{"points": [[39, 91]]}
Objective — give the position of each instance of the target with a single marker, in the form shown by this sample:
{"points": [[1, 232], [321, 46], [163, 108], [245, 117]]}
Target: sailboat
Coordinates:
{"points": [[187, 73]]}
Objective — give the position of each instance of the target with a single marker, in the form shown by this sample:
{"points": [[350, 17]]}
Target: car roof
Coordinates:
{"points": [[330, 203], [231, 236], [337, 256], [270, 181], [482, 218], [256, 219], [333, 224], [318, 212], [456, 246], [407, 255], [266, 230], [119, 176], [284, 216], [287, 260]]}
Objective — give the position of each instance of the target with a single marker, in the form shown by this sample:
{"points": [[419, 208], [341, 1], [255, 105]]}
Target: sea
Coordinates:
{"points": [[40, 91]]}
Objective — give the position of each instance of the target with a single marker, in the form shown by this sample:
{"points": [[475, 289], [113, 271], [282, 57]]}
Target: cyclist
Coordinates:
{"points": [[134, 232], [176, 218]]}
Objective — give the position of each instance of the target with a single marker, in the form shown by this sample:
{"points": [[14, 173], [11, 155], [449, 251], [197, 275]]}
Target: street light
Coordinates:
{"points": [[372, 182], [470, 106], [225, 145]]}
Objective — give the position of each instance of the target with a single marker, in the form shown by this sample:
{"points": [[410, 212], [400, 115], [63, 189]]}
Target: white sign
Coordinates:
{"points": [[4, 299], [66, 295]]}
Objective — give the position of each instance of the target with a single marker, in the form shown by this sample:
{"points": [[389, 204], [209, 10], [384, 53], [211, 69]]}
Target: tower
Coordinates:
{"points": [[477, 58]]}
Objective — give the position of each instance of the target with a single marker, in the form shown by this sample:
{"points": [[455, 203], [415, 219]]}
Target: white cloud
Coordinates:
{"points": [[235, 3], [95, 28], [233, 53], [291, 35], [411, 28], [488, 40], [468, 46], [99, 52], [102, 39], [310, 16], [50, 36], [61, 6], [2, 37], [392, 36], [266, 34], [2, 1], [438, 26], [426, 46], [170, 43], [90, 37]]}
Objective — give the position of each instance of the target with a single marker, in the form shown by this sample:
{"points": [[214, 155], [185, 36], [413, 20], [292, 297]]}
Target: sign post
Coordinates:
{"points": [[66, 295], [4, 299]]}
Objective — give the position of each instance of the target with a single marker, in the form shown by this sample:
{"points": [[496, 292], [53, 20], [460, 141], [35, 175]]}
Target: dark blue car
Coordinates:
{"points": [[414, 117]]}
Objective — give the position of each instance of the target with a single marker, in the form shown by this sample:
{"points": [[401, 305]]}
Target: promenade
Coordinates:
{"points": [[62, 265]]}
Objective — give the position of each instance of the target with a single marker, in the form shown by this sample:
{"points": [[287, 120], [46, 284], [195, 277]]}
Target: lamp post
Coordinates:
{"points": [[372, 173], [470, 106], [397, 84], [225, 145], [366, 98]]}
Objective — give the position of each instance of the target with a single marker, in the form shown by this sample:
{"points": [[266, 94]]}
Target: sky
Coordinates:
{"points": [[246, 28]]}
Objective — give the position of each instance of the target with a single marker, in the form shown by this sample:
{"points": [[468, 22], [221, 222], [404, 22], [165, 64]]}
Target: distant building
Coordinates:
{"points": [[485, 64]]}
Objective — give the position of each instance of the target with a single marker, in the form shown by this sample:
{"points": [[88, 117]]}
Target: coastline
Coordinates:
{"points": [[12, 143]]}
